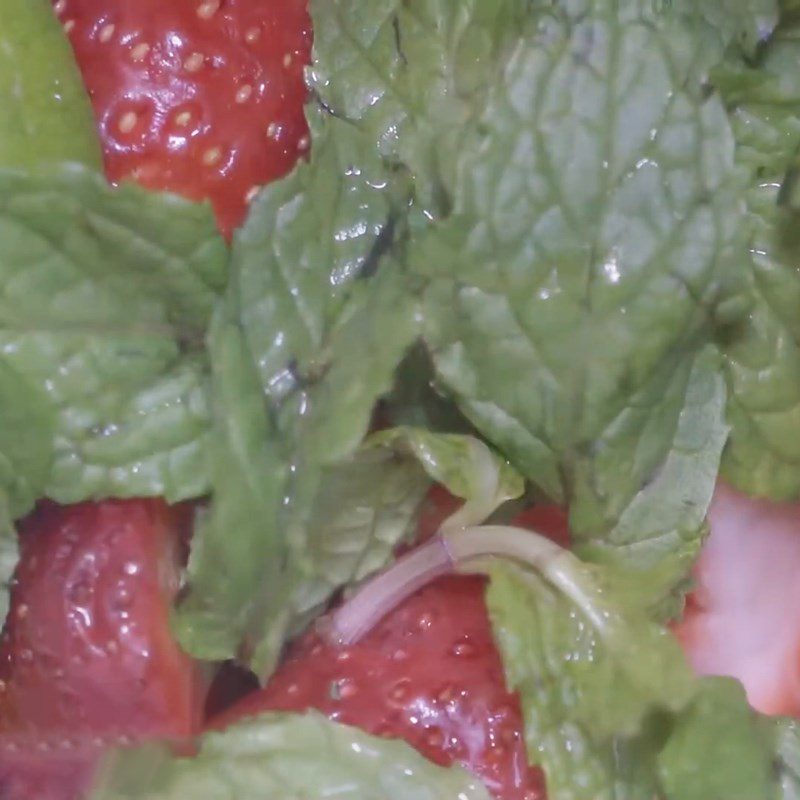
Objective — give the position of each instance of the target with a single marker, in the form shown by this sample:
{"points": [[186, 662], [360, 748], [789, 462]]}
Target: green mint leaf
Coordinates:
{"points": [[235, 568], [786, 763], [593, 229], [364, 506], [593, 677], [330, 412], [403, 71], [464, 465], [26, 451], [9, 557], [663, 527], [143, 433], [763, 354], [308, 240], [46, 116], [26, 443], [106, 294], [717, 748], [325, 307], [319, 315], [285, 755], [346, 520], [743, 23], [360, 509]]}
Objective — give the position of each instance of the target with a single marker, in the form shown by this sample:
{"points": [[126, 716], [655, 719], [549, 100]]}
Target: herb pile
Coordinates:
{"points": [[555, 245]]}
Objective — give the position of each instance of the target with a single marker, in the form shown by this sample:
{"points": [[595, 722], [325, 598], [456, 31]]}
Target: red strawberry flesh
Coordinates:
{"points": [[428, 673], [200, 97], [87, 657], [743, 618]]}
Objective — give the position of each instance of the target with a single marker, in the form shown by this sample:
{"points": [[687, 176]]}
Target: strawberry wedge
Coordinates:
{"points": [[743, 620], [87, 657]]}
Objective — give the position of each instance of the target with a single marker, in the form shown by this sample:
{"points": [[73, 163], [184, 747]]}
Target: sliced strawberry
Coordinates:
{"points": [[200, 97], [743, 618], [429, 673], [62, 772], [87, 656]]}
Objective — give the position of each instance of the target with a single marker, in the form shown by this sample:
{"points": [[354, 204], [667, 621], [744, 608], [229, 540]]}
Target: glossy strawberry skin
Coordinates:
{"points": [[740, 619], [200, 97], [87, 657], [87, 649], [29, 773], [429, 674]]}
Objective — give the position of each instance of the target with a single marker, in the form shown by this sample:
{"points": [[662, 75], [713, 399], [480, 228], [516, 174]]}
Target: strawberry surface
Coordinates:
{"points": [[429, 673], [87, 657], [200, 97], [741, 619]]}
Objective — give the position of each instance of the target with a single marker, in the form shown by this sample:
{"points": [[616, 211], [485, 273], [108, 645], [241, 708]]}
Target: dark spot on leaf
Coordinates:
{"points": [[706, 91], [328, 109], [789, 193], [398, 39], [382, 244]]}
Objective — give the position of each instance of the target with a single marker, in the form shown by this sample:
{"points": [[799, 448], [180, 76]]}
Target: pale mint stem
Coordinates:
{"points": [[484, 497], [565, 571], [449, 552], [358, 615]]}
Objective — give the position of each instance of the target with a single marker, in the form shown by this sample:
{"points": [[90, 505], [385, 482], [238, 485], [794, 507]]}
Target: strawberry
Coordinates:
{"points": [[87, 656], [739, 621], [28, 773], [203, 98], [200, 97], [428, 673]]}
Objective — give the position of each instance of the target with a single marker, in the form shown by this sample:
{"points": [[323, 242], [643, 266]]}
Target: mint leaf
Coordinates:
{"points": [[99, 239], [745, 23], [285, 755], [464, 465], [26, 449], [235, 571], [593, 228], [763, 354], [592, 671], [362, 508], [622, 664], [366, 505], [318, 315], [9, 557], [26, 443], [404, 71], [663, 528], [611, 709], [143, 433], [324, 304], [106, 294], [46, 117], [717, 748], [330, 411], [787, 759], [307, 242]]}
